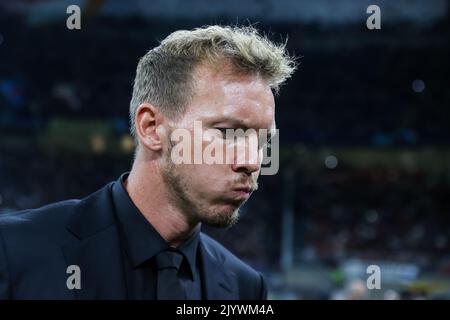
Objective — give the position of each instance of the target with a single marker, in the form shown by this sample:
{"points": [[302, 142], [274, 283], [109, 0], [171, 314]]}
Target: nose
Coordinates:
{"points": [[247, 158], [247, 168]]}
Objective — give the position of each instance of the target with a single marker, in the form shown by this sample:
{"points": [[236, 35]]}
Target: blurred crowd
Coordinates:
{"points": [[387, 93]]}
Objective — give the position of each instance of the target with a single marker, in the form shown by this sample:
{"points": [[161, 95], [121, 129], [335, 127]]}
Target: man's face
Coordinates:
{"points": [[213, 193]]}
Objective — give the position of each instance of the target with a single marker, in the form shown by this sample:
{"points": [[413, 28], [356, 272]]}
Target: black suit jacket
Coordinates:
{"points": [[37, 246]]}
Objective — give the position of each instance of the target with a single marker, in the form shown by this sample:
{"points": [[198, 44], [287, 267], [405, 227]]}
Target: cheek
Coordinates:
{"points": [[203, 178], [216, 151]]}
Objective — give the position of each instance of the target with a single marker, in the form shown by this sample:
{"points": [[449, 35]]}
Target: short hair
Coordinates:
{"points": [[164, 75]]}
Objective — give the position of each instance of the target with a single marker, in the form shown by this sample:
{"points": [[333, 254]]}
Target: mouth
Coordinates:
{"points": [[243, 192]]}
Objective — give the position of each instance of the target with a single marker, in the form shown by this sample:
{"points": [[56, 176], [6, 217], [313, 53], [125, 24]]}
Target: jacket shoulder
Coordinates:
{"points": [[45, 218], [50, 218]]}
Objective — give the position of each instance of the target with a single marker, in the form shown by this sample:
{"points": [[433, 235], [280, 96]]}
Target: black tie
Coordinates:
{"points": [[169, 286]]}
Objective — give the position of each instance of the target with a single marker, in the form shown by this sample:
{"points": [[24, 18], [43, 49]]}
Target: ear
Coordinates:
{"points": [[148, 122]]}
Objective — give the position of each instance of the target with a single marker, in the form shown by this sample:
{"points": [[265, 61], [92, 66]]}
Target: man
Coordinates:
{"points": [[139, 237]]}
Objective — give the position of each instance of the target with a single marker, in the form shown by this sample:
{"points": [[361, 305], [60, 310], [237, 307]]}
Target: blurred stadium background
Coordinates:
{"points": [[364, 131]]}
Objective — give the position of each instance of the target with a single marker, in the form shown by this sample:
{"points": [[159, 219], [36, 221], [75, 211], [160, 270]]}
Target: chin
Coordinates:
{"points": [[223, 217]]}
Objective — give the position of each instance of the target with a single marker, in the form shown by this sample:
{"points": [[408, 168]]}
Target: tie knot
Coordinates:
{"points": [[168, 259]]}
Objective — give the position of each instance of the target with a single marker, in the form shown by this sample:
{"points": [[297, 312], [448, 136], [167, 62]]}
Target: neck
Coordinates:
{"points": [[149, 193]]}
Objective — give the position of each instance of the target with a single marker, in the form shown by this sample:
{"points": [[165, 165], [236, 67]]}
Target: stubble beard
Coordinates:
{"points": [[195, 209]]}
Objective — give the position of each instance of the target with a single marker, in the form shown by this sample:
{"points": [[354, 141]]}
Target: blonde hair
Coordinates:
{"points": [[164, 75]]}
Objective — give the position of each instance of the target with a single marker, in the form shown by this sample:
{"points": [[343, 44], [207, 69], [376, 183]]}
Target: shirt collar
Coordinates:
{"points": [[142, 241]]}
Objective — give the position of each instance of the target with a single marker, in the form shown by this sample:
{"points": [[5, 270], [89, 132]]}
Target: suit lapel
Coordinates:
{"points": [[96, 249], [218, 284]]}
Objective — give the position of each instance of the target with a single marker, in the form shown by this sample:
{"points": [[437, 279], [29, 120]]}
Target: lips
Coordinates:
{"points": [[242, 192], [244, 189]]}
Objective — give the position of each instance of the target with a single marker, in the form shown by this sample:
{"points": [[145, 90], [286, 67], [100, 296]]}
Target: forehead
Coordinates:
{"points": [[222, 96]]}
